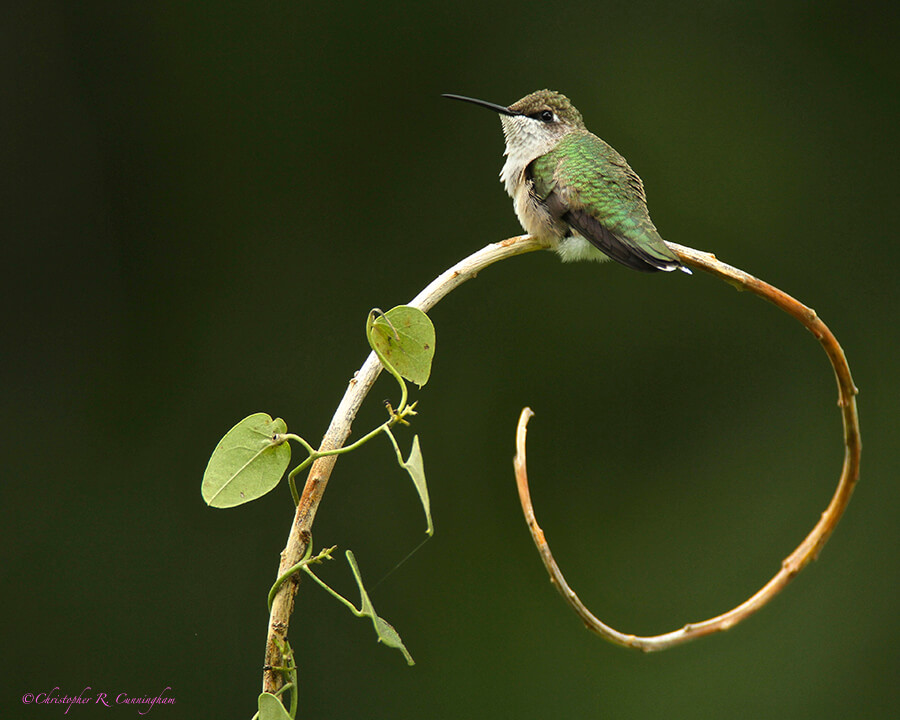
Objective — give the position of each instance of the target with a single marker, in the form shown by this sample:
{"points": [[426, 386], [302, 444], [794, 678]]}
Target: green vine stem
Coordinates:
{"points": [[307, 559], [396, 416]]}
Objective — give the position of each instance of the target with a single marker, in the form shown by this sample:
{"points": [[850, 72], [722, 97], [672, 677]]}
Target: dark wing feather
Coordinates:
{"points": [[616, 246]]}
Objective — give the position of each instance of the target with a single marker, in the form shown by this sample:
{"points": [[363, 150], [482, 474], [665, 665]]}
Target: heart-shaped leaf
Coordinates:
{"points": [[247, 463], [270, 708], [404, 336]]}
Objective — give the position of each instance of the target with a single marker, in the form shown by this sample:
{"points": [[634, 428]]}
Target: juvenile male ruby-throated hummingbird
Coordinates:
{"points": [[571, 189]]}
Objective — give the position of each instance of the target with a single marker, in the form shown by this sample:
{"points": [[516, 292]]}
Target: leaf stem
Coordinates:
{"points": [[370, 326], [396, 447], [291, 436], [334, 593]]}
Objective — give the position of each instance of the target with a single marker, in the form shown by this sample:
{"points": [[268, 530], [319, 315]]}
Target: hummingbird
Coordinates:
{"points": [[572, 190]]}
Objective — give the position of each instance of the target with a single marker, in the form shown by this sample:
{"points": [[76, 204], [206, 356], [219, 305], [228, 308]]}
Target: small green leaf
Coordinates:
{"points": [[404, 336], [270, 708], [247, 463], [385, 630], [415, 466]]}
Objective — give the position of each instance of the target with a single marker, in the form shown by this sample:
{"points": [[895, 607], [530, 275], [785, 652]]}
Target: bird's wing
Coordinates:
{"points": [[587, 184]]}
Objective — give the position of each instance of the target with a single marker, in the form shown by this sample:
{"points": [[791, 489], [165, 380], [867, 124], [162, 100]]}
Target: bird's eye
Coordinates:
{"points": [[546, 116]]}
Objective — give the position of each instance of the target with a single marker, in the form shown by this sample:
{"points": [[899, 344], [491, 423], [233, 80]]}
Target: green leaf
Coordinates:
{"points": [[270, 708], [404, 336], [415, 466], [247, 463], [385, 630]]}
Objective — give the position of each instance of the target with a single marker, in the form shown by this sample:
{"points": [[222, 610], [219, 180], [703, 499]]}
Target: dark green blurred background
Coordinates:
{"points": [[202, 202]]}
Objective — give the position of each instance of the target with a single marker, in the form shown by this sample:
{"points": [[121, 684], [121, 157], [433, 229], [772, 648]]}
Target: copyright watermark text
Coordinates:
{"points": [[89, 696]]}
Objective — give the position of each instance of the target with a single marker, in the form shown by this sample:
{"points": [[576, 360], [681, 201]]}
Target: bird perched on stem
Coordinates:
{"points": [[573, 190]]}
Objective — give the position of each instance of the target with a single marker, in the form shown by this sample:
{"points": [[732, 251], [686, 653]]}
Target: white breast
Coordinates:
{"points": [[525, 143]]}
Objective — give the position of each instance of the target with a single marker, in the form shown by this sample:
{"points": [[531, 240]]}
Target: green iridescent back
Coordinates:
{"points": [[589, 175]]}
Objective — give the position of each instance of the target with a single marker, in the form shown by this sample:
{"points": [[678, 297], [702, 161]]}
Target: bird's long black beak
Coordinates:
{"points": [[483, 103]]}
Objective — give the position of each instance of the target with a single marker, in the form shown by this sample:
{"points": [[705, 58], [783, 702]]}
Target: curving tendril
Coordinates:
{"points": [[805, 553]]}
